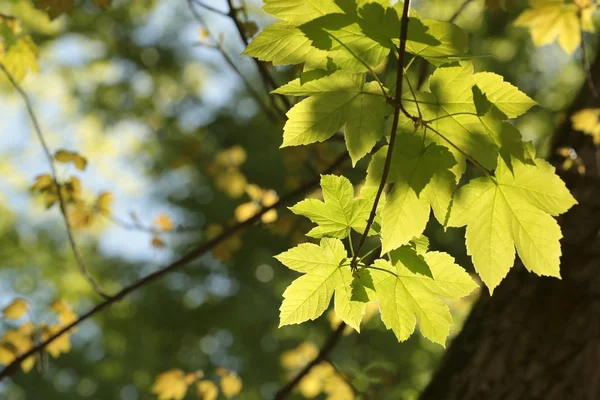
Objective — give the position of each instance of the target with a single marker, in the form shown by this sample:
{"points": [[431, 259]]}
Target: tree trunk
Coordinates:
{"points": [[538, 338]]}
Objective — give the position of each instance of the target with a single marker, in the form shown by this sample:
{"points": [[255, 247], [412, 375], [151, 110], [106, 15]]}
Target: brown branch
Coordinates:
{"points": [[181, 262], [322, 356], [397, 107], [267, 78], [217, 45], [61, 201]]}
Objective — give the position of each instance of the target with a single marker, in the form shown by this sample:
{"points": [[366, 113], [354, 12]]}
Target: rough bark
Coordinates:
{"points": [[538, 338]]}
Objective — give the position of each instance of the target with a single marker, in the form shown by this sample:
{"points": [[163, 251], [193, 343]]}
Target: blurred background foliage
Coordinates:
{"points": [[170, 131]]}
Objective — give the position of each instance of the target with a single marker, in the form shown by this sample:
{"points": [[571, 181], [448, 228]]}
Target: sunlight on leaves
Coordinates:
{"points": [[550, 20]]}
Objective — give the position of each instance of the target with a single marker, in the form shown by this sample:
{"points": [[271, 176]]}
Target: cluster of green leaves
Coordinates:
{"points": [[460, 116]]}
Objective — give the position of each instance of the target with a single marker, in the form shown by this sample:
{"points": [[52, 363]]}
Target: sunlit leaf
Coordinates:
{"points": [[16, 309]]}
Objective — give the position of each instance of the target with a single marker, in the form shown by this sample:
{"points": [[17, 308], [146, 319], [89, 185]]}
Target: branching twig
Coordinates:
{"points": [[184, 260], [219, 46], [268, 79], [397, 107], [322, 356], [61, 200]]}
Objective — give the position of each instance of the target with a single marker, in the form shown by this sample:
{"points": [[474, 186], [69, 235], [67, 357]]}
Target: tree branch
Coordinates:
{"points": [[217, 45], [262, 68], [184, 260], [61, 201], [397, 108]]}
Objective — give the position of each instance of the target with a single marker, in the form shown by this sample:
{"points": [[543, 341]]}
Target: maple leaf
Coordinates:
{"points": [[514, 210], [456, 122], [336, 100], [404, 294], [421, 176], [339, 213], [324, 273], [550, 20]]}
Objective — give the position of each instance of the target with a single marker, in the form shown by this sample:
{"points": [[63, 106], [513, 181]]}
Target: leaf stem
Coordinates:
{"points": [[397, 108], [61, 201]]}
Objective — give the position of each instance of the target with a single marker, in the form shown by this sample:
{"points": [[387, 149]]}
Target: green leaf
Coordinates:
{"points": [[515, 211], [283, 43], [300, 11], [309, 296], [510, 100], [404, 295], [404, 217], [339, 213], [449, 40], [414, 167], [454, 118], [336, 100]]}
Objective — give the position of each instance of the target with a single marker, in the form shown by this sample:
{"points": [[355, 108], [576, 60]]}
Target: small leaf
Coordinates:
{"points": [[339, 213], [16, 309], [65, 156], [231, 384], [163, 222], [207, 390], [170, 385]]}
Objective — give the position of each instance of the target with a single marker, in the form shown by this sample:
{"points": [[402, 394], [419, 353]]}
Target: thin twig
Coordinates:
{"points": [[210, 8], [268, 79], [219, 46], [397, 108], [61, 200], [187, 258], [322, 356]]}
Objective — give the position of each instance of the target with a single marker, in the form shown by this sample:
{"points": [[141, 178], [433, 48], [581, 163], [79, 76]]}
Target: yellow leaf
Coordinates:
{"points": [[588, 122], [80, 216], [254, 192], [231, 384], [269, 198], [299, 357], [102, 3], [65, 313], [16, 309], [170, 385], [42, 183], [21, 58], [104, 202], [269, 216], [66, 156], [61, 344], [549, 20], [158, 242], [55, 8], [245, 211], [7, 355], [163, 222], [207, 390]]}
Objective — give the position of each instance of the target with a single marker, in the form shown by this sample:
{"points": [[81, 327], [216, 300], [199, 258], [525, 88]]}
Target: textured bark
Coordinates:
{"points": [[538, 338]]}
